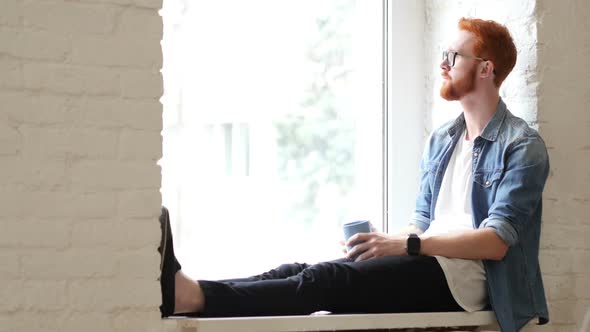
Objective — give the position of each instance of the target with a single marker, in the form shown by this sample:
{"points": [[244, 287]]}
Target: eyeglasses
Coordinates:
{"points": [[449, 57]]}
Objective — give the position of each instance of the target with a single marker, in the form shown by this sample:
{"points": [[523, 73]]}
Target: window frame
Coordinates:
{"points": [[399, 174]]}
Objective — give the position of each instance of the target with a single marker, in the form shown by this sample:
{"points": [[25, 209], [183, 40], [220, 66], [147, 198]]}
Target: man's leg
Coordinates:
{"points": [[379, 285], [180, 294], [281, 272], [385, 284], [189, 296]]}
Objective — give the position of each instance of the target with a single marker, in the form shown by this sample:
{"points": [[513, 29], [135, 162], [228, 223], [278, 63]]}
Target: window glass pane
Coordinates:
{"points": [[272, 129]]}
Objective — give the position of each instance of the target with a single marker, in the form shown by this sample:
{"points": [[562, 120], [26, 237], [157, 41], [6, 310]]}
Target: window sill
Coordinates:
{"points": [[484, 319]]}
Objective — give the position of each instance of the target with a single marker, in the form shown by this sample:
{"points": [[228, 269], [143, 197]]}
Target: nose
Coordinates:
{"points": [[444, 65]]}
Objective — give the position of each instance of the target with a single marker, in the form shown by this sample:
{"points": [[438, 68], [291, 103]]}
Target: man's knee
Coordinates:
{"points": [[327, 274]]}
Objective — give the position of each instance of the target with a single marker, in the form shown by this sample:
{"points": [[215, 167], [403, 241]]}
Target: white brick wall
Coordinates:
{"points": [[549, 89], [80, 128], [564, 122]]}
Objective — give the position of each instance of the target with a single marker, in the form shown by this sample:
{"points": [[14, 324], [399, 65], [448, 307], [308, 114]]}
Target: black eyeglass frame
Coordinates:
{"points": [[446, 57], [454, 54]]}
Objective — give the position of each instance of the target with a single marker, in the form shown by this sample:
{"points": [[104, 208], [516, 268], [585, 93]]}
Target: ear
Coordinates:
{"points": [[487, 69]]}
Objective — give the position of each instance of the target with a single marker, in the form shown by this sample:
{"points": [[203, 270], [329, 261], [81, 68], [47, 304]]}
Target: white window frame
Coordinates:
{"points": [[406, 120]]}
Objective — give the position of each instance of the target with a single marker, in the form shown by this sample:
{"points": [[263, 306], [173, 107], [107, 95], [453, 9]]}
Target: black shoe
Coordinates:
{"points": [[168, 265]]}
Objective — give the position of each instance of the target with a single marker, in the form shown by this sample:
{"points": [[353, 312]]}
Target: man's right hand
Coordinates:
{"points": [[343, 244], [404, 231]]}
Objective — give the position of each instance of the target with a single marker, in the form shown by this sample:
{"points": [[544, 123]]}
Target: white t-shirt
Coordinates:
{"points": [[466, 278]]}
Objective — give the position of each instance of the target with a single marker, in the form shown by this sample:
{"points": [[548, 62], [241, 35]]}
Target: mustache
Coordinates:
{"points": [[445, 75]]}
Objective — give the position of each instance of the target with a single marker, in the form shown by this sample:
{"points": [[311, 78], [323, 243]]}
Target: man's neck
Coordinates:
{"points": [[478, 111]]}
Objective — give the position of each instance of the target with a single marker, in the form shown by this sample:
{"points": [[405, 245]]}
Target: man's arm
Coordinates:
{"points": [[473, 244], [520, 190], [421, 216], [401, 233], [518, 194]]}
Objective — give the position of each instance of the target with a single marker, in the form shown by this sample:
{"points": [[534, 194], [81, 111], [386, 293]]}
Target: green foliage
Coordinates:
{"points": [[316, 143]]}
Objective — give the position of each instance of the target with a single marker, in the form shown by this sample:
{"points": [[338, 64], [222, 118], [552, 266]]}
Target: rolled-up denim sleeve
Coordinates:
{"points": [[419, 221], [503, 228], [520, 190]]}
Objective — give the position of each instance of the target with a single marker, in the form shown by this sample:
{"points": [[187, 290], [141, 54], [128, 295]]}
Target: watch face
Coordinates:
{"points": [[413, 244]]}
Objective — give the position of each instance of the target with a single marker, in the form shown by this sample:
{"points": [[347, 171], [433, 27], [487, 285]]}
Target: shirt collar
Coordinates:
{"points": [[491, 130]]}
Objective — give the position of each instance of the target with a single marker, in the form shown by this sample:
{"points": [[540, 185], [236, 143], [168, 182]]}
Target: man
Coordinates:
{"points": [[473, 239]]}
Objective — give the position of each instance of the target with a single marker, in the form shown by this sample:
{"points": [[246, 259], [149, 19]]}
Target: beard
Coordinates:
{"points": [[451, 90]]}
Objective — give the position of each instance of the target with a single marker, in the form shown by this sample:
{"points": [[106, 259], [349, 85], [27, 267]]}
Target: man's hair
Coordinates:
{"points": [[492, 42]]}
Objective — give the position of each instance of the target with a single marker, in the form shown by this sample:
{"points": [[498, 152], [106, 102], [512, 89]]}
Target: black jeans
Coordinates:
{"points": [[390, 284]]}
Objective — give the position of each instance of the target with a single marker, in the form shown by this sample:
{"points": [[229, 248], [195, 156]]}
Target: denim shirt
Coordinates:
{"points": [[510, 167]]}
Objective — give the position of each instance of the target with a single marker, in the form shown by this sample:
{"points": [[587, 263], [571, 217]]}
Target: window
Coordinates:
{"points": [[273, 129]]}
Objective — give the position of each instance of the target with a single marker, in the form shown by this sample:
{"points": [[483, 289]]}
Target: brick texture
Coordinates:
{"points": [[565, 123], [80, 128]]}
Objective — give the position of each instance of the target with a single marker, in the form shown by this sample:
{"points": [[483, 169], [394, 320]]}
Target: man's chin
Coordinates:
{"points": [[446, 92]]}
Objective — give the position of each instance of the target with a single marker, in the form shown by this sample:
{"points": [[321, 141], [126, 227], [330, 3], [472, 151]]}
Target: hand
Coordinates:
{"points": [[376, 245], [343, 245]]}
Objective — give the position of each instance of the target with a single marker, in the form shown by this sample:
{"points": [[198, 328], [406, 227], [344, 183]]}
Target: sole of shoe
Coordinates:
{"points": [[164, 240]]}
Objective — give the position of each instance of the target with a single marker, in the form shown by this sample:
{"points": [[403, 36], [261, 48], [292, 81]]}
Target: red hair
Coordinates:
{"points": [[492, 42]]}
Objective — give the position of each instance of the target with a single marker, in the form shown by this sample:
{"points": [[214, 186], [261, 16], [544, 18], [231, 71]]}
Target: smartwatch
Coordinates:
{"points": [[413, 245]]}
